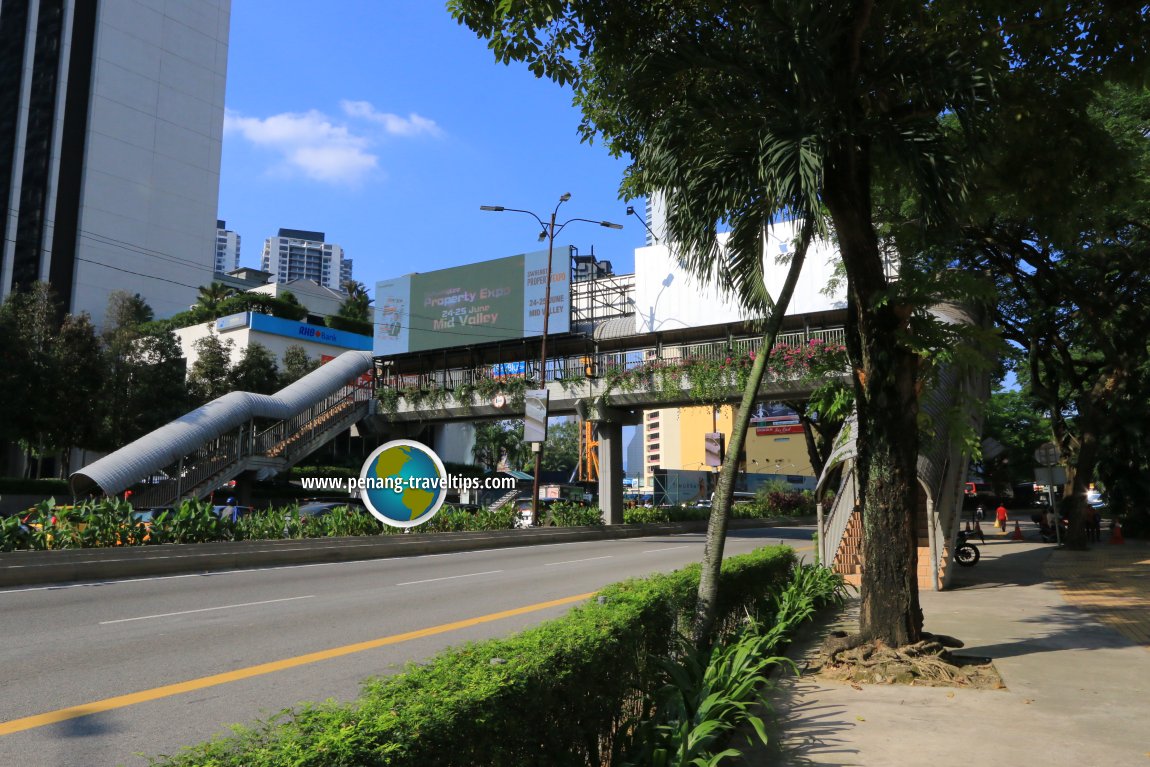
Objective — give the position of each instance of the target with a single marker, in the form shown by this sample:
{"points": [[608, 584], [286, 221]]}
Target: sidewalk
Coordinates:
{"points": [[1068, 631]]}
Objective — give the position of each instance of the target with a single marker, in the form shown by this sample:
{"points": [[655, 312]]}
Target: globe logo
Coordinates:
{"points": [[404, 483]]}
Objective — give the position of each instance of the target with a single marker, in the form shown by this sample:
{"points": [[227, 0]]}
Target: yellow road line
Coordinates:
{"points": [[156, 693]]}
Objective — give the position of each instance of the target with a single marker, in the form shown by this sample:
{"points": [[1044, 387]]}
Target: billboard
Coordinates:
{"points": [[494, 300], [775, 418]]}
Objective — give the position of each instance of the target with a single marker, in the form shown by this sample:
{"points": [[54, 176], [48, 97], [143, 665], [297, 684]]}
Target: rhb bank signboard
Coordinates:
{"points": [[496, 300]]}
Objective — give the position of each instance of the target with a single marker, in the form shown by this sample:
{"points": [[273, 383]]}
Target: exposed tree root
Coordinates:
{"points": [[926, 663]]}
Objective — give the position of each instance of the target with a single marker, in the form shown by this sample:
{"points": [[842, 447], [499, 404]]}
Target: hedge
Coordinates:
{"points": [[568, 692]]}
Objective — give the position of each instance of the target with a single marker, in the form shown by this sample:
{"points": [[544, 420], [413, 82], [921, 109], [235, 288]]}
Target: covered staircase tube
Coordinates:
{"points": [[239, 431]]}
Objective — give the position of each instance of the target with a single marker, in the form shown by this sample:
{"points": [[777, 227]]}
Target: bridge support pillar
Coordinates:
{"points": [[610, 436]]}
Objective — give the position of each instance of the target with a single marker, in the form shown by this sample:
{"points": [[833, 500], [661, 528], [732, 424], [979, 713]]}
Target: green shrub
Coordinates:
{"points": [[566, 514], [711, 693], [568, 692], [335, 322], [19, 486], [453, 520]]}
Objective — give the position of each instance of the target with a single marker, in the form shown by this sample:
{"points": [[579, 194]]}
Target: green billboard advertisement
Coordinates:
{"points": [[496, 300]]}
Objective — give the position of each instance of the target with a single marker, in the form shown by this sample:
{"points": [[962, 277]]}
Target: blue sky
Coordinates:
{"points": [[386, 125]]}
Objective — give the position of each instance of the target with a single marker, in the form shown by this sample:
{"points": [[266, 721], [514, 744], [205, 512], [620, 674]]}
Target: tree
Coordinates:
{"points": [[158, 381], [561, 451], [743, 114], [211, 298], [34, 323], [497, 441], [78, 368], [1071, 264], [722, 105], [255, 372], [126, 310], [1016, 421], [296, 364], [357, 305], [208, 378], [53, 370], [145, 382]]}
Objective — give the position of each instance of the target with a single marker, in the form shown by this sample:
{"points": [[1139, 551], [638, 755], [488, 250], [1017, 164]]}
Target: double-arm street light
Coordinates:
{"points": [[548, 231]]}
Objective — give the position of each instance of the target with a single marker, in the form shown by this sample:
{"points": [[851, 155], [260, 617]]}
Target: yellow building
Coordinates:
{"points": [[674, 438]]}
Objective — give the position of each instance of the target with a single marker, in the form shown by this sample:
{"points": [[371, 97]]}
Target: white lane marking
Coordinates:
{"points": [[573, 561], [673, 548], [448, 578], [206, 609]]}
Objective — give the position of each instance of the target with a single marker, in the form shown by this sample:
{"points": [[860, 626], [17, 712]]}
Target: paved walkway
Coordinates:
{"points": [[1068, 631]]}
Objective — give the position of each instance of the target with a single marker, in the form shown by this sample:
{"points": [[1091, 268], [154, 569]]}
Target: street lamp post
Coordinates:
{"points": [[549, 231]]}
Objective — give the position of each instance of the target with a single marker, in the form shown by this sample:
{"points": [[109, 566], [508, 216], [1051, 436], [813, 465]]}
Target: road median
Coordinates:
{"points": [[38, 568]]}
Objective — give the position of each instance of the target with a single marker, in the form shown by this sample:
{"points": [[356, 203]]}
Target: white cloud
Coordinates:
{"points": [[309, 143], [395, 125]]}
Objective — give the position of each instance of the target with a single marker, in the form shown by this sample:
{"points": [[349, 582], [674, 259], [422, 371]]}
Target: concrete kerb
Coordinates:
{"points": [[33, 568]]}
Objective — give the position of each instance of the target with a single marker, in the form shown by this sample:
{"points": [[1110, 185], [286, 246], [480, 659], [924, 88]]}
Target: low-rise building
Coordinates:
{"points": [[275, 333]]}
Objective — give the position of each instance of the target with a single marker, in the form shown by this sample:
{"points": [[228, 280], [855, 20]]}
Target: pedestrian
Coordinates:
{"points": [[229, 511], [1000, 518], [1093, 525]]}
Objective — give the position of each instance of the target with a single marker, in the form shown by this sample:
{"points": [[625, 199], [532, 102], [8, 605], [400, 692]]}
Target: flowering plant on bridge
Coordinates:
{"points": [[815, 359], [710, 379]]}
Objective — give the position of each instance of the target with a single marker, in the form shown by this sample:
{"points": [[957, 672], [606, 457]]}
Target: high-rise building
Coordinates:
{"points": [[227, 248], [345, 272], [297, 254], [656, 215], [111, 125]]}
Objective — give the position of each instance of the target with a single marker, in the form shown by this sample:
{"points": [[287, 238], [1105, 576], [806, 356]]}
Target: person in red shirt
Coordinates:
{"points": [[1000, 517]]}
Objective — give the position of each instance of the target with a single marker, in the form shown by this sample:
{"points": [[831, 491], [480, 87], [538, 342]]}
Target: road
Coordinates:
{"points": [[154, 664]]}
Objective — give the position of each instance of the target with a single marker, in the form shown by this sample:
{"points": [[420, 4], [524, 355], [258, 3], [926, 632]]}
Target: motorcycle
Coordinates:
{"points": [[966, 553]]}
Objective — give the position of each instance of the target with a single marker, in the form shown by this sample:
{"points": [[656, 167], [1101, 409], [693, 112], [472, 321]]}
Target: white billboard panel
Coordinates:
{"points": [[668, 297]]}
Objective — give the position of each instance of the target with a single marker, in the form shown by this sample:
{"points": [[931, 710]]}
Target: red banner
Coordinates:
{"points": [[763, 431]]}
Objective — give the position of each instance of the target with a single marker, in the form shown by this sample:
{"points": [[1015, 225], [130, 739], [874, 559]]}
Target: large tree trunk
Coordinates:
{"points": [[887, 405], [721, 508]]}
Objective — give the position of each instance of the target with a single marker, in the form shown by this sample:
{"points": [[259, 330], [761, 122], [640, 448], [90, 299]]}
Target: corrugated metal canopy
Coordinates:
{"points": [[125, 467], [616, 327]]}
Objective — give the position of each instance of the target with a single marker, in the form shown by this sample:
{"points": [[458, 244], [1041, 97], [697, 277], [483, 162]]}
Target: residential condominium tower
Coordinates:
{"points": [[111, 124], [297, 254], [227, 249]]}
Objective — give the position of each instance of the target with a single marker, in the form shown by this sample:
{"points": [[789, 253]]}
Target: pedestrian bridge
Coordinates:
{"points": [[607, 375], [608, 379]]}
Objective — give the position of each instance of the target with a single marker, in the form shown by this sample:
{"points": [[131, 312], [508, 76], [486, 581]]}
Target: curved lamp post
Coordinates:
{"points": [[548, 231]]}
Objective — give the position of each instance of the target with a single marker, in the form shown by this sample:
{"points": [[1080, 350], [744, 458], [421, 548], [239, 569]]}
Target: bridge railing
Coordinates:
{"points": [[566, 368]]}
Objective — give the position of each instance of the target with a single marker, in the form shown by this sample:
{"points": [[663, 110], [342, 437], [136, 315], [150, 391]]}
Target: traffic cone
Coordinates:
{"points": [[1116, 533], [1017, 536], [968, 525]]}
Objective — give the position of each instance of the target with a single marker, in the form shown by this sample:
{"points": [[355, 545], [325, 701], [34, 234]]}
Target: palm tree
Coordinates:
{"points": [[357, 305], [211, 297]]}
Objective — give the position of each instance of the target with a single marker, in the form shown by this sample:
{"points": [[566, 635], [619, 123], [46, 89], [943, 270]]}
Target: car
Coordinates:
{"points": [[523, 510], [313, 509]]}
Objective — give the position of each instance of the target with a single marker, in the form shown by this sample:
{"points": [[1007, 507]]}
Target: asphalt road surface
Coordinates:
{"points": [[103, 673]]}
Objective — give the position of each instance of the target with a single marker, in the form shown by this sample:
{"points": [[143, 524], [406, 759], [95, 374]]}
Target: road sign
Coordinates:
{"points": [[535, 415], [1046, 454], [1050, 475]]}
